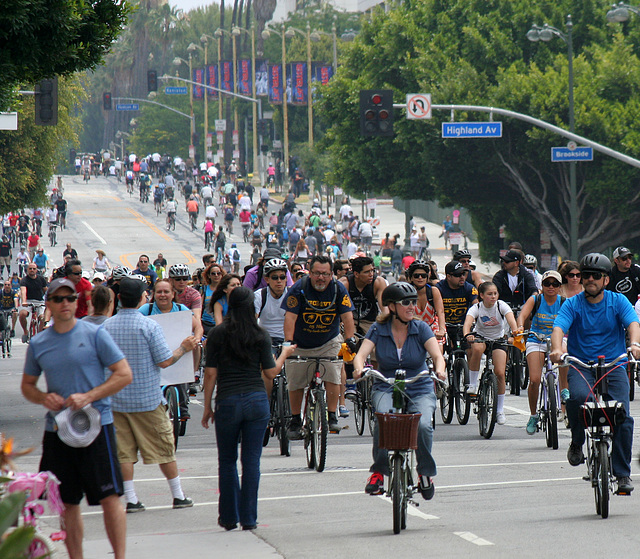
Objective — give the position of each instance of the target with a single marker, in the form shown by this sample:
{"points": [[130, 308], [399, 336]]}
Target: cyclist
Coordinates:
{"points": [[128, 180], [192, 209], [33, 241], [269, 299], [489, 316], [234, 257], [210, 212], [209, 230], [595, 321], [515, 284], [464, 257], [5, 256], [207, 195], [315, 305], [457, 294], [22, 259], [143, 269], [531, 263], [8, 305], [32, 289], [401, 342], [429, 306], [625, 275], [158, 194], [171, 211], [541, 310], [229, 217], [245, 221]]}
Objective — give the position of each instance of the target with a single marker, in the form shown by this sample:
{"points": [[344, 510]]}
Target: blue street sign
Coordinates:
{"points": [[175, 90], [127, 107], [566, 154], [472, 129]]}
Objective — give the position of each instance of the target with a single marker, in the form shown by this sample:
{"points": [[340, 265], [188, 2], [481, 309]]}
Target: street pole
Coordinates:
{"points": [[254, 111], [206, 95], [309, 96], [285, 115], [335, 46], [193, 128], [235, 90], [573, 194]]}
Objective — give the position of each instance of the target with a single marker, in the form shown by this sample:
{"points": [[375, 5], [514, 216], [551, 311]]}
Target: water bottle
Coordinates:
{"points": [[398, 389]]}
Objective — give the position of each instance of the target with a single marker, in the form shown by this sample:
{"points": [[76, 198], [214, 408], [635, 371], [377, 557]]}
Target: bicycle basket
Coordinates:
{"points": [[398, 431], [609, 414]]}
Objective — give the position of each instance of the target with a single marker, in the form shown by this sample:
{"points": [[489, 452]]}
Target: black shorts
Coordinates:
{"points": [[93, 471]]}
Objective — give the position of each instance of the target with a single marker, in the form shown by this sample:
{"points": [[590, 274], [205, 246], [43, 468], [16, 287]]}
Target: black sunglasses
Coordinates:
{"points": [[74, 274], [573, 275], [274, 277], [419, 276], [550, 284], [60, 298], [594, 275]]}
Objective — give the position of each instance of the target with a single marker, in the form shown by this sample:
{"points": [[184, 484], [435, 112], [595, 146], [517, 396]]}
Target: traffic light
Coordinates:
{"points": [[46, 94], [72, 156], [263, 127], [106, 100], [152, 80], [250, 123], [376, 112]]}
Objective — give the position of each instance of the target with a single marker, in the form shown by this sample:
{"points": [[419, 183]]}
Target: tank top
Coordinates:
{"points": [[428, 314], [366, 306]]}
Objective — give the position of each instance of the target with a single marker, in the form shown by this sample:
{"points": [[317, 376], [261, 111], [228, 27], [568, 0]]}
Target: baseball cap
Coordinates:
{"points": [[620, 252], [454, 269], [59, 283], [132, 287], [552, 274], [98, 276], [511, 256]]}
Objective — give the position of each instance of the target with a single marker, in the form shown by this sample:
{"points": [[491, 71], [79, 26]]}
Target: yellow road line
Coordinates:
{"points": [[72, 194], [125, 260], [189, 257], [149, 225]]}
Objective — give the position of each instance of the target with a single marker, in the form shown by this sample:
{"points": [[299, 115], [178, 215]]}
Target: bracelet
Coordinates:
{"points": [[635, 344]]}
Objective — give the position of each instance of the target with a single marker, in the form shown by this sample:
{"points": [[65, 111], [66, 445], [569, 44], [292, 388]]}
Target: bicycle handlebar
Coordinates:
{"points": [[370, 372], [567, 359], [480, 339], [303, 359]]}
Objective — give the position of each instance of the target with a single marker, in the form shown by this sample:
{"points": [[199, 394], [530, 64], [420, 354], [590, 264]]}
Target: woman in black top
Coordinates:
{"points": [[238, 350]]}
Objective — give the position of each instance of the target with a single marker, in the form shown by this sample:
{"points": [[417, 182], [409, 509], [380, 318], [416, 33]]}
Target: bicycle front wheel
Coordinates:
{"points": [[308, 432], [551, 431], [462, 399], [283, 418], [320, 428], [171, 395], [398, 493], [487, 404], [516, 371], [371, 413], [359, 409], [446, 402], [601, 488]]}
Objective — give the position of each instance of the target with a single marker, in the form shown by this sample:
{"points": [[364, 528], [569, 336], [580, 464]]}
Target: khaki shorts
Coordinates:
{"points": [[299, 375], [149, 432]]}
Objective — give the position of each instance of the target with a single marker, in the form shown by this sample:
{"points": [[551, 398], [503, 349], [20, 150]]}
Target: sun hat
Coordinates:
{"points": [[78, 428]]}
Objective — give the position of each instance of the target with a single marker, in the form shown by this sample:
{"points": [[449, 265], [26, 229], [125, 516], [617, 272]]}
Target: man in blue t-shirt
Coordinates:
{"points": [[457, 293], [595, 321], [315, 305], [74, 355]]}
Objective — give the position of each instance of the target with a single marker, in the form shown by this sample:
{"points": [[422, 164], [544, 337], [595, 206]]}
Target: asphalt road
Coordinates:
{"points": [[505, 497]]}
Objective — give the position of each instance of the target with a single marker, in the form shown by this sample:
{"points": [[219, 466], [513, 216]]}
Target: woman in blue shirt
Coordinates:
{"points": [[210, 279], [401, 342]]}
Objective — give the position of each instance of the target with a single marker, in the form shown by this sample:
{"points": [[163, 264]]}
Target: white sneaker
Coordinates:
{"points": [[501, 418]]}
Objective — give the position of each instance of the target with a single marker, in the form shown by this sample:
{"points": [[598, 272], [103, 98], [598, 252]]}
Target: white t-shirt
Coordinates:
{"points": [[490, 322], [245, 203], [211, 211], [272, 316], [212, 171], [365, 229], [206, 192]]}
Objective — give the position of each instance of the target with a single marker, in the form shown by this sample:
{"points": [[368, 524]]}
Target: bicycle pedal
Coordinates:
{"points": [[586, 478], [623, 493]]}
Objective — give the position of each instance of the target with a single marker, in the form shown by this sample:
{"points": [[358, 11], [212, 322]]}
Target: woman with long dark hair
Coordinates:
{"points": [[238, 351], [219, 302]]}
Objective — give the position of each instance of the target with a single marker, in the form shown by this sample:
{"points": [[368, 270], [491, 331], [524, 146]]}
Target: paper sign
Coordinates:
{"points": [[176, 327]]}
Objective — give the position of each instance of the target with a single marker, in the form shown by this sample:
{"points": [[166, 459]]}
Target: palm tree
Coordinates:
{"points": [[264, 12]]}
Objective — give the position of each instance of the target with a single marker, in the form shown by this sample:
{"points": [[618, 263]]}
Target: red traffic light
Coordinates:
{"points": [[383, 114], [376, 99], [370, 115]]}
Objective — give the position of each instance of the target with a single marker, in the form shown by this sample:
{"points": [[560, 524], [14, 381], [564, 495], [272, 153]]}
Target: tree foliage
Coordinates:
{"points": [[476, 52]]}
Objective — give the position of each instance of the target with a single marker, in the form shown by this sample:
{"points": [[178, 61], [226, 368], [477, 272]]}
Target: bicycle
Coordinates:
{"points": [[315, 422], [549, 398], [486, 400], [207, 240], [245, 233], [193, 220], [5, 335], [517, 373], [280, 414], [458, 377], [171, 221], [172, 396], [157, 202], [35, 322], [34, 487], [363, 407], [52, 234], [599, 417], [398, 434]]}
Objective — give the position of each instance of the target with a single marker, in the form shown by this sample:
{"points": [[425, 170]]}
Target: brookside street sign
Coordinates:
{"points": [[127, 107], [175, 90], [472, 129], [568, 154]]}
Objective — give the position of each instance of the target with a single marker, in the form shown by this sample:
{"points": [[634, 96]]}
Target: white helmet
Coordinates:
{"points": [[120, 272], [274, 264], [530, 259], [179, 271]]}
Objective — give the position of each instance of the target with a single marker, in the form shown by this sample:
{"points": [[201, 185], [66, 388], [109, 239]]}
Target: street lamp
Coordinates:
{"points": [[177, 61], [315, 37], [285, 116], [290, 33], [546, 33], [218, 33], [254, 109], [204, 39], [619, 13]]}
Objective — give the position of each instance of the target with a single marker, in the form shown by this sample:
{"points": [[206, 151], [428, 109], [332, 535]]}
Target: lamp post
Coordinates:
{"points": [[219, 33], [315, 37], [204, 39], [290, 33], [177, 61], [619, 13], [254, 107], [546, 33], [285, 117]]}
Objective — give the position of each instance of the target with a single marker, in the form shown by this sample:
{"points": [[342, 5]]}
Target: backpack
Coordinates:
{"points": [[236, 255], [538, 302], [228, 214], [220, 239]]}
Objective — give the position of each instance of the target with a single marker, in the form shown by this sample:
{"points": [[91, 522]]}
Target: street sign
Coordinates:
{"points": [[192, 152], [236, 154], [277, 144], [127, 107], [175, 90], [209, 139], [472, 129], [559, 155], [220, 137], [418, 106], [9, 121], [221, 125], [235, 137]]}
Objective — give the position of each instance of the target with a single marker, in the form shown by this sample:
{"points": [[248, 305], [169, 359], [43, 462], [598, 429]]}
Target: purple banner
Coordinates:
{"points": [[275, 84], [262, 78], [198, 76], [322, 73], [298, 83], [245, 87], [226, 75], [212, 80]]}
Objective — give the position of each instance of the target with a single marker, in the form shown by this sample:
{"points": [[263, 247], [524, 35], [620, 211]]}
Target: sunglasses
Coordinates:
{"points": [[74, 274], [283, 277], [215, 274], [60, 298], [623, 258], [464, 261], [459, 275], [407, 302], [182, 279], [550, 284], [420, 276], [573, 275], [594, 275]]}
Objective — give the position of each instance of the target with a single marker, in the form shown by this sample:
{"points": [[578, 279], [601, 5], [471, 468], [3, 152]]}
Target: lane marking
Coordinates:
{"points": [[189, 257], [472, 538], [516, 410], [514, 482], [411, 509], [90, 195], [125, 260], [94, 232], [149, 225]]}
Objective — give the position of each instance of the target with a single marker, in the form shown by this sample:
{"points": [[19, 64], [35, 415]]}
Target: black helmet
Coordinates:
{"points": [[595, 262], [463, 253], [398, 292], [418, 265]]}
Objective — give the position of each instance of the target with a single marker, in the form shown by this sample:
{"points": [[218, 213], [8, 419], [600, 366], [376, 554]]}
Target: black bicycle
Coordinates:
{"points": [[5, 334], [517, 372], [455, 394], [280, 414], [486, 400]]}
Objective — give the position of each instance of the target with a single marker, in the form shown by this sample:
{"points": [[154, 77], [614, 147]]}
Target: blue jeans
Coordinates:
{"points": [[246, 414], [424, 404], [623, 434]]}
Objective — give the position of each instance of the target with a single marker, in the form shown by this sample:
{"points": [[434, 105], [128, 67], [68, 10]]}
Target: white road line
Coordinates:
{"points": [[412, 510], [514, 482], [473, 538], [516, 410], [94, 232]]}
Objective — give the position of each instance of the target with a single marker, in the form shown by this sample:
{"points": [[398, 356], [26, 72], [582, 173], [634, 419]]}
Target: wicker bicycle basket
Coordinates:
{"points": [[398, 431]]}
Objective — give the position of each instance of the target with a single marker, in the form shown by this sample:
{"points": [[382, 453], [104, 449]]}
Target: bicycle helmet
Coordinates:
{"points": [[138, 277], [462, 253], [398, 291], [274, 264], [179, 271], [530, 259], [595, 262], [418, 265], [120, 272]]}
